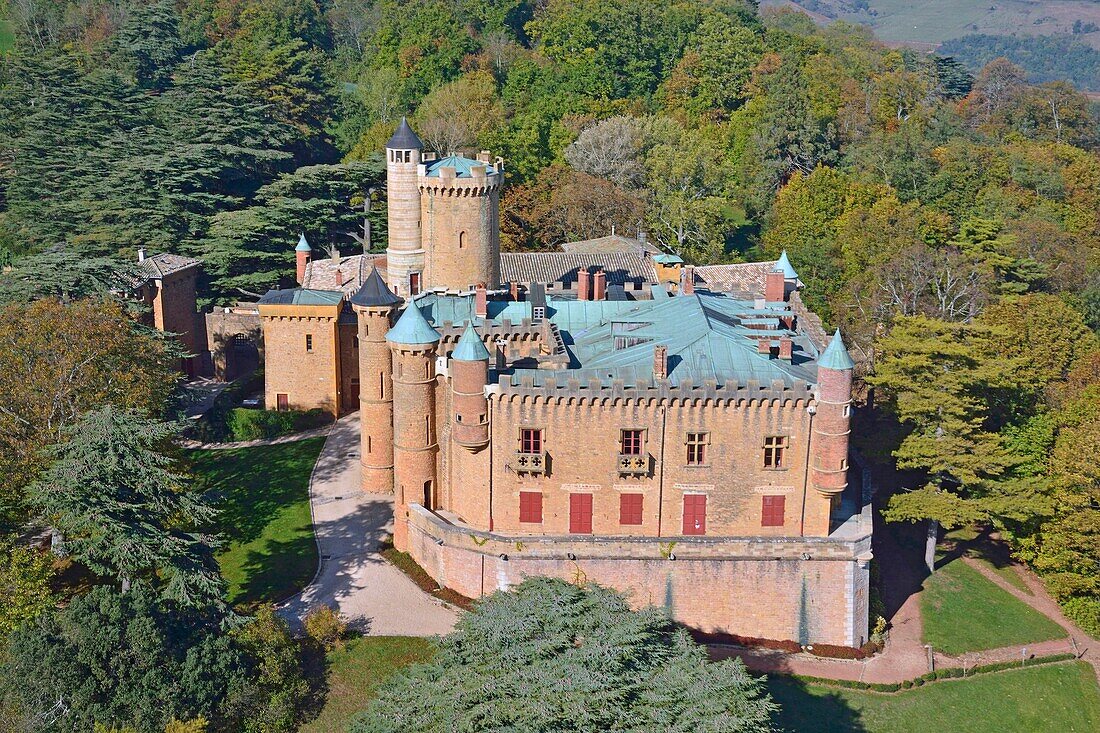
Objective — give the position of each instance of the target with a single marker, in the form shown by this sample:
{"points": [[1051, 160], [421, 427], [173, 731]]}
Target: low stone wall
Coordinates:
{"points": [[811, 590]]}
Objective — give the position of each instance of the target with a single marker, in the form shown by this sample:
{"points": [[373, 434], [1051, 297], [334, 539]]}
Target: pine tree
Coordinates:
{"points": [[123, 508]]}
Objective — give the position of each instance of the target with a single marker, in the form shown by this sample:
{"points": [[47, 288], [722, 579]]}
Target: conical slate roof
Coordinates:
{"points": [[374, 292], [404, 138], [470, 346], [784, 265], [303, 245], [412, 329], [836, 356]]}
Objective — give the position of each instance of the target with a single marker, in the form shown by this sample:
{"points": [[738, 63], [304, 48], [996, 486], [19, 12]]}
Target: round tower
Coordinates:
{"points": [[302, 254], [375, 306], [460, 218], [413, 343], [831, 428], [405, 254], [469, 375]]}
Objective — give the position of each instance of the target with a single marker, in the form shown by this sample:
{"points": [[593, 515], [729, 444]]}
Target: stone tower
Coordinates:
{"points": [[413, 344], [302, 254], [375, 306], [469, 375], [831, 427], [405, 254], [460, 219]]}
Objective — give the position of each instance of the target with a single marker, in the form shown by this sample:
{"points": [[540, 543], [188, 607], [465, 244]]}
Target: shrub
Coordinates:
{"points": [[906, 684], [198, 725], [248, 424], [324, 625], [1085, 612]]}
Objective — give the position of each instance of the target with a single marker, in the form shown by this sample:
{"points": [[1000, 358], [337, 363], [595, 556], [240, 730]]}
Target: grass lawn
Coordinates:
{"points": [[1056, 698], [355, 672], [963, 611], [262, 495]]}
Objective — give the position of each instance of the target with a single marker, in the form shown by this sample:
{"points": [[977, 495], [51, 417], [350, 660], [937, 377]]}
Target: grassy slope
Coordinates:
{"points": [[355, 672], [263, 498], [962, 612], [1059, 698]]}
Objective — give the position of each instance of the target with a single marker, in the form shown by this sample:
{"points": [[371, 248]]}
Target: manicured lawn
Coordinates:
{"points": [[963, 611], [262, 494], [991, 554], [1056, 698], [356, 672]]}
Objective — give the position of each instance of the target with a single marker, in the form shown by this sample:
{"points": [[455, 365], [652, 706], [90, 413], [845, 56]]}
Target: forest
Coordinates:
{"points": [[948, 222], [1044, 58]]}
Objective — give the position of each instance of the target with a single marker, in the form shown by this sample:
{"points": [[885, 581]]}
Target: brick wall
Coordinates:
{"points": [[308, 378]]}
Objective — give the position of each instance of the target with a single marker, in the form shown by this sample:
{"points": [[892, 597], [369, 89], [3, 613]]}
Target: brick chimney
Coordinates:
{"points": [[339, 278], [764, 346], [660, 362], [513, 289], [599, 285], [302, 258], [583, 284], [687, 281], [786, 346], [775, 289], [481, 301]]}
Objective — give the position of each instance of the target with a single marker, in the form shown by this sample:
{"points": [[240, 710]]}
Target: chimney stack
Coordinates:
{"points": [[513, 289], [687, 281], [339, 278], [786, 346], [583, 284], [481, 301], [660, 362], [141, 254], [775, 287], [599, 285]]}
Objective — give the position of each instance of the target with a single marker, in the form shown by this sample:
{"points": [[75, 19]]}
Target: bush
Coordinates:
{"points": [[248, 424], [1085, 612], [324, 625]]}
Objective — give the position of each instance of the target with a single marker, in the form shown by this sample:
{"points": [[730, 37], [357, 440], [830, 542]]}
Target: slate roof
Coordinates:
{"points": [[404, 138], [460, 163], [744, 278], [374, 292], [301, 296], [610, 243], [155, 267], [470, 347], [321, 274], [551, 267], [412, 328]]}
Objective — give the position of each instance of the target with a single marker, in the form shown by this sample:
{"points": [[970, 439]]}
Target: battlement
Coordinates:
{"points": [[523, 387]]}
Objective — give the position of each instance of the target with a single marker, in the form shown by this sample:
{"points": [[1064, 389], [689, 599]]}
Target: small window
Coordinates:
{"points": [[428, 429], [462, 240], [696, 449], [309, 342], [775, 446], [530, 440], [458, 417], [382, 385], [771, 511], [414, 283], [847, 411], [630, 508], [355, 342], [369, 444], [530, 506], [631, 441]]}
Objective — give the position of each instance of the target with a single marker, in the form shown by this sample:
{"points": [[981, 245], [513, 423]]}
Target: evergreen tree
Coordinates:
{"points": [[548, 655], [124, 510]]}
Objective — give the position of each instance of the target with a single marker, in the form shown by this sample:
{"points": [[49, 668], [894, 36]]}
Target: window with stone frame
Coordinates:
{"points": [[697, 448], [631, 441], [530, 440], [775, 449]]}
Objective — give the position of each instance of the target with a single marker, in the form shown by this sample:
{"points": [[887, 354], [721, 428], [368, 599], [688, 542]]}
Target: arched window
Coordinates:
{"points": [[462, 240]]}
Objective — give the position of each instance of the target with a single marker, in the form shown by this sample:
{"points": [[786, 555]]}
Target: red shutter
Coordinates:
{"points": [[695, 514], [630, 508], [530, 506], [580, 513], [771, 511]]}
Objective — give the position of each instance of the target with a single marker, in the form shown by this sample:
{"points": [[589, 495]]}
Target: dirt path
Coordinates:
{"points": [[293, 438]]}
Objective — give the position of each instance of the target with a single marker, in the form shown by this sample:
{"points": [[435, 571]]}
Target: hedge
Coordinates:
{"points": [[250, 424]]}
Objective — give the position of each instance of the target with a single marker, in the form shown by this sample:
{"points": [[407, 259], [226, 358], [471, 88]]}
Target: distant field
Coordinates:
{"points": [[934, 21]]}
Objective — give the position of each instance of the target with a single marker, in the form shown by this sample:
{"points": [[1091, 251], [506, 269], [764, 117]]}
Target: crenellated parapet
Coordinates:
{"points": [[660, 392]]}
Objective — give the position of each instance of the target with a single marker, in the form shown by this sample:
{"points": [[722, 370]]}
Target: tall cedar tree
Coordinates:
{"points": [[548, 655], [125, 511]]}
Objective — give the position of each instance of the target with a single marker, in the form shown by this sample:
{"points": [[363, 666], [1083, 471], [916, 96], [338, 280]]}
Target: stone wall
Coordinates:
{"points": [[461, 237], [309, 378], [811, 590]]}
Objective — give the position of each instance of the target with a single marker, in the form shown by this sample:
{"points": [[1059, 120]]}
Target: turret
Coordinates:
{"points": [[469, 375], [375, 306], [302, 255], [413, 344], [829, 439], [781, 280], [405, 253]]}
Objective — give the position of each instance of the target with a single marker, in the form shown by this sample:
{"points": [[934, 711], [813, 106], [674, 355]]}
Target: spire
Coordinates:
{"points": [[303, 245], [413, 329], [374, 292], [835, 356], [784, 265], [470, 346], [404, 138]]}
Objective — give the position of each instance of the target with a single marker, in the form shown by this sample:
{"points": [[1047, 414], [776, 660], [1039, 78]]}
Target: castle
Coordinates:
{"points": [[602, 414]]}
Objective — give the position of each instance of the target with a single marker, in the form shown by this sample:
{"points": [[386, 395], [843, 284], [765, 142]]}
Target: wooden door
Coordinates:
{"points": [[695, 514], [282, 403], [580, 513]]}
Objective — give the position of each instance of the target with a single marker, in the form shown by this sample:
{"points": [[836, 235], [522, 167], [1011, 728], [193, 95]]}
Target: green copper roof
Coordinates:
{"points": [[302, 296], [303, 245], [460, 163], [836, 356], [666, 259], [412, 328], [784, 265], [470, 346]]}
